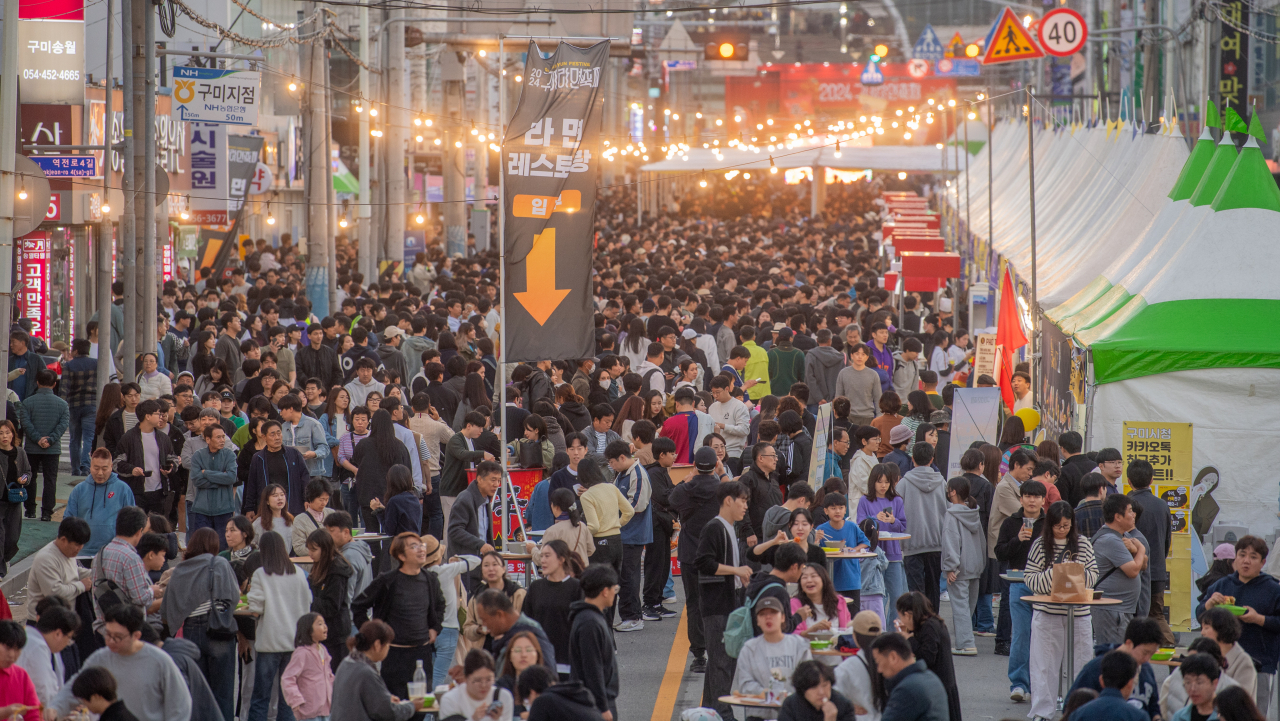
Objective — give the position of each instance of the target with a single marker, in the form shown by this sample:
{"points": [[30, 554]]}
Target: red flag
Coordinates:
{"points": [[1009, 336]]}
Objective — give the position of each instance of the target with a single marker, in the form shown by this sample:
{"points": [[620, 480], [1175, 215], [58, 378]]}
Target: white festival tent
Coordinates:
{"points": [[1097, 188]]}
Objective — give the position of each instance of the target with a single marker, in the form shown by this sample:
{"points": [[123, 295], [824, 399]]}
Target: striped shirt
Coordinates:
{"points": [[1040, 579]]}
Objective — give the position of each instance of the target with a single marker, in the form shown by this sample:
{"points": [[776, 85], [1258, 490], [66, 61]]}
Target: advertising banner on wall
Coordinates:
{"points": [[550, 166], [51, 52]]}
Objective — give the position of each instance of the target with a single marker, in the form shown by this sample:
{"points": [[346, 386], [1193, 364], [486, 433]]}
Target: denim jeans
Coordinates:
{"points": [[218, 523], [1020, 641], [267, 670], [82, 420], [446, 642], [217, 662], [895, 584], [983, 621]]}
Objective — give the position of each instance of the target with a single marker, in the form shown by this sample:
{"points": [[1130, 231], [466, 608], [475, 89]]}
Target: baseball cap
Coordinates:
{"points": [[867, 623], [689, 333], [899, 434], [785, 333], [705, 459], [392, 332], [228, 396], [1224, 551], [768, 603]]}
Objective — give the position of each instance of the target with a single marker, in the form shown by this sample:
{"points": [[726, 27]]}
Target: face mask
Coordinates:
{"points": [[604, 385]]}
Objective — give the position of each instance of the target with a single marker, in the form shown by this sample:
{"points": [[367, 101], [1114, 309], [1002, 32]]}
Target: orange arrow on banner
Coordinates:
{"points": [[541, 297]]}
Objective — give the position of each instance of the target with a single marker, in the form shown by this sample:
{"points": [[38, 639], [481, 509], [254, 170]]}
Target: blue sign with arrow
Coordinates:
{"points": [[871, 75], [928, 47]]}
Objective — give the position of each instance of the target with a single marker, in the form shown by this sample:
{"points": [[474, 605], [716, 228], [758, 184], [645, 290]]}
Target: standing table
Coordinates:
{"points": [[839, 555], [1071, 630]]}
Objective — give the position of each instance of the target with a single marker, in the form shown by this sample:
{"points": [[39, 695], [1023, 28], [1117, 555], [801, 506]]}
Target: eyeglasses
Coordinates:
{"points": [[769, 455]]}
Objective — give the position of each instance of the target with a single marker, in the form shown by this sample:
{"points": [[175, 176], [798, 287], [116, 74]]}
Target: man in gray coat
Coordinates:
{"points": [[822, 365], [469, 531]]}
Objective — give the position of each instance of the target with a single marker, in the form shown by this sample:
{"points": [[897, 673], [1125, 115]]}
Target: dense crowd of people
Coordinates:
{"points": [[293, 517]]}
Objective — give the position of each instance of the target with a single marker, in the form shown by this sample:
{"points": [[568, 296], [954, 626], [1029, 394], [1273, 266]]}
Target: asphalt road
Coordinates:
{"points": [[645, 657]]}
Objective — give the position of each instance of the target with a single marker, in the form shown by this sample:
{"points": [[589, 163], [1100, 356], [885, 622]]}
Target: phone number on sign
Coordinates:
{"points": [[31, 74]]}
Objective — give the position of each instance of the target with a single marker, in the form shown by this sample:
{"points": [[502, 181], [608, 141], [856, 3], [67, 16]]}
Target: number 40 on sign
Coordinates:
{"points": [[1062, 32]]}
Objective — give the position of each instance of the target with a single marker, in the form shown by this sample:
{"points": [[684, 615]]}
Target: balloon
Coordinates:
{"points": [[1030, 418]]}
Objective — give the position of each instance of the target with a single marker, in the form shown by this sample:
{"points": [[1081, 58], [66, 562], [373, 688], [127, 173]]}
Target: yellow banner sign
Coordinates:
{"points": [[542, 206], [1166, 446]]}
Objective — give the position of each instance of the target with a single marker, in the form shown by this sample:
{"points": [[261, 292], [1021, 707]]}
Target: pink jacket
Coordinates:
{"points": [[308, 682], [844, 620]]}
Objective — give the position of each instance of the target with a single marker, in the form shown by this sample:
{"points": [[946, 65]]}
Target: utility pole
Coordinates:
{"points": [[331, 194], [105, 260], [128, 220], [147, 274], [364, 226], [8, 148], [317, 174], [455, 193], [394, 147]]}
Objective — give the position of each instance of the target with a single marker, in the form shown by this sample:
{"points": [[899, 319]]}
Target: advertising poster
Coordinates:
{"points": [[1061, 380], [821, 443], [1166, 446], [984, 355], [975, 416]]}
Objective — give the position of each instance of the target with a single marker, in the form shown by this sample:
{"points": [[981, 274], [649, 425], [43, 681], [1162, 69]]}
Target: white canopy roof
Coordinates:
{"points": [[912, 159]]}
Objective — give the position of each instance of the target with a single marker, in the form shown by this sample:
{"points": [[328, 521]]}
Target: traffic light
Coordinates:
{"points": [[726, 46]]}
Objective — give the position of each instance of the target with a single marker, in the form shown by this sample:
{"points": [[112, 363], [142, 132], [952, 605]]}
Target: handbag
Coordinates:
{"points": [[222, 613], [530, 455], [17, 493], [1069, 584]]}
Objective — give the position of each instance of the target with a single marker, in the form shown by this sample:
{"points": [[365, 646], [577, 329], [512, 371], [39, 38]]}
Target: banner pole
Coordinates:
{"points": [[502, 283]]}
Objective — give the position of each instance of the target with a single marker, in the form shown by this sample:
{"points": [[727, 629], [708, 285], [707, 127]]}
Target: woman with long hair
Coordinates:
{"points": [[632, 410], [336, 421], [241, 552], [204, 342], [557, 425], [654, 407], [257, 441], [570, 405], [522, 651], [883, 505], [964, 557], [374, 458], [601, 382], [493, 575], [478, 691], [273, 512], [329, 578], [217, 375], [930, 642], [550, 596], [359, 692], [200, 580], [15, 475], [990, 463], [1013, 434], [568, 527], [112, 401], [447, 344], [816, 601], [535, 435], [1059, 542], [474, 396], [399, 510], [798, 531], [287, 588], [635, 347], [1049, 451]]}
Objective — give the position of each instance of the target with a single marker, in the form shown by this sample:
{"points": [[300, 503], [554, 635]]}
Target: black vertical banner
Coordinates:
{"points": [[550, 158], [1233, 57]]}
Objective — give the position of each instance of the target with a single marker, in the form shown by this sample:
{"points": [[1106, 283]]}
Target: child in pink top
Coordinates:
{"points": [[16, 689], [818, 602], [307, 683]]}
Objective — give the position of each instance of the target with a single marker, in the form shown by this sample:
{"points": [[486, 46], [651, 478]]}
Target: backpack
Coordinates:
{"points": [[737, 627]]}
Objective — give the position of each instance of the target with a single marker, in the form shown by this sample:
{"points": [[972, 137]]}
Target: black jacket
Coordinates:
{"points": [[129, 455], [798, 467], [537, 387], [570, 701], [593, 655], [381, 594], [981, 490], [694, 501], [1009, 549], [1073, 469], [113, 432], [765, 494], [931, 643], [444, 399], [453, 468], [578, 415], [329, 597], [796, 708], [719, 593], [660, 498], [322, 363]]}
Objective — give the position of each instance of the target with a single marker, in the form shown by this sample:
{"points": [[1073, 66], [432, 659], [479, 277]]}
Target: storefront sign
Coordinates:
{"points": [[188, 241], [33, 282], [67, 166], [1166, 446], [984, 355], [211, 95], [51, 61], [210, 185], [1233, 57]]}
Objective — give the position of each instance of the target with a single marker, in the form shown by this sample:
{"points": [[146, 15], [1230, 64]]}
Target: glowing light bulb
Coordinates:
{"points": [[22, 194], [519, 78], [418, 138], [293, 87], [457, 143], [420, 219], [106, 208], [437, 141], [373, 112], [342, 222], [271, 219]]}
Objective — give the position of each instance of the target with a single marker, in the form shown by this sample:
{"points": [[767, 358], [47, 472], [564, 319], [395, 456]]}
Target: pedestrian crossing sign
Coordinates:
{"points": [[1009, 41]]}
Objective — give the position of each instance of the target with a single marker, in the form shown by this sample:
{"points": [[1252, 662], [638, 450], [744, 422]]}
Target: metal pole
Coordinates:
{"points": [[8, 148], [105, 240], [128, 220], [1031, 179], [364, 225], [968, 220], [317, 174], [393, 148], [331, 194], [991, 223], [147, 276], [502, 283]]}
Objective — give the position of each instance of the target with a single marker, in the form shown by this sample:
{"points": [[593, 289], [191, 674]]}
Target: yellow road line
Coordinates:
{"points": [[669, 691]]}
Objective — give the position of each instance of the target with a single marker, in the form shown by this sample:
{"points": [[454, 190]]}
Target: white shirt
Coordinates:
{"points": [[459, 703], [43, 666], [151, 462], [1024, 402], [411, 444], [447, 572], [733, 536]]}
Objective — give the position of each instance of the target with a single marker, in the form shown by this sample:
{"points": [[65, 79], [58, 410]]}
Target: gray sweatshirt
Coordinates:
{"points": [[148, 682], [964, 545], [759, 660], [862, 388], [924, 502]]}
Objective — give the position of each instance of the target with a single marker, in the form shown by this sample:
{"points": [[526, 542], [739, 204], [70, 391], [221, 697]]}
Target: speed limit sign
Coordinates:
{"points": [[1062, 32]]}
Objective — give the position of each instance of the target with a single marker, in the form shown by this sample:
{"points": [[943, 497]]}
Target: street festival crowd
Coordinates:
{"points": [[292, 517]]}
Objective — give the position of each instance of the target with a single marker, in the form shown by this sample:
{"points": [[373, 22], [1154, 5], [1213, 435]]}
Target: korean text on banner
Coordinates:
{"points": [[550, 159], [211, 95], [1166, 446]]}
